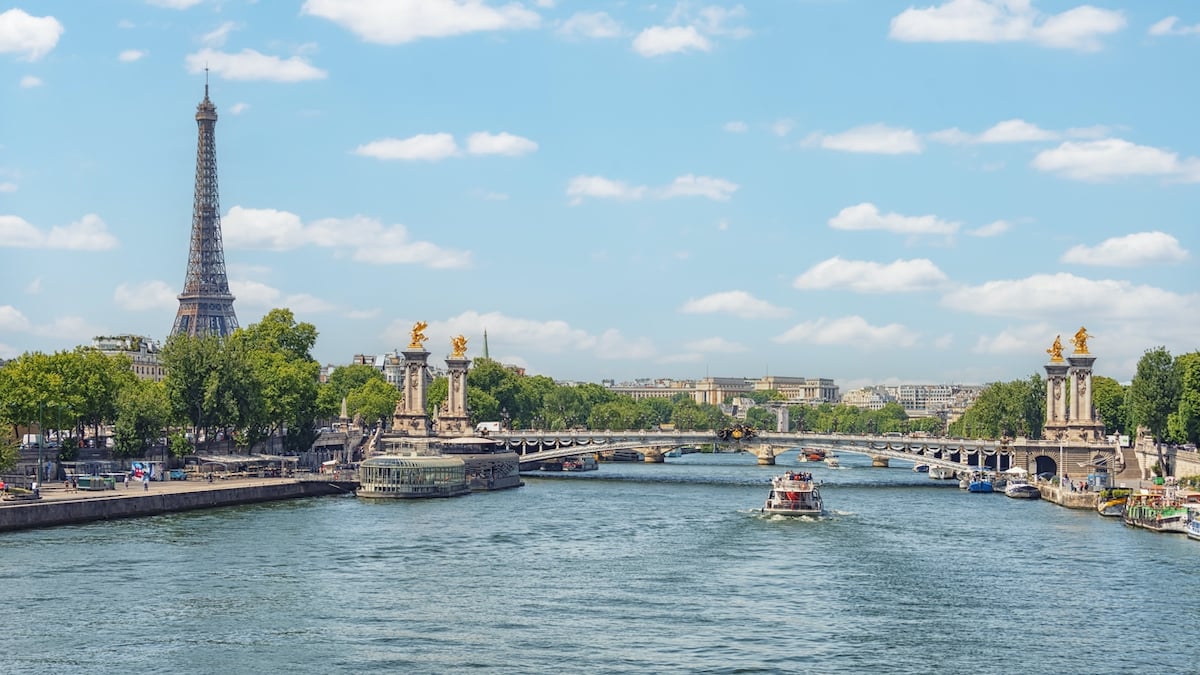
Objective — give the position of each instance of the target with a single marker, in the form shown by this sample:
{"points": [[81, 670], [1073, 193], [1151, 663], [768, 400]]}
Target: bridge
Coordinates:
{"points": [[535, 447]]}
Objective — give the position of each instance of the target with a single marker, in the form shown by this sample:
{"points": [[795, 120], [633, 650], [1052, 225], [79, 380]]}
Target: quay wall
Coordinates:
{"points": [[64, 512], [1071, 500]]}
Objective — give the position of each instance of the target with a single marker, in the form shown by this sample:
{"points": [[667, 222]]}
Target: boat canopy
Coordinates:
{"points": [[1016, 471]]}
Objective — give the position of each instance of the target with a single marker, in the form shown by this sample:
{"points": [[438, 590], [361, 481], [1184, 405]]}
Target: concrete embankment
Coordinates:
{"points": [[1071, 500], [67, 508]]}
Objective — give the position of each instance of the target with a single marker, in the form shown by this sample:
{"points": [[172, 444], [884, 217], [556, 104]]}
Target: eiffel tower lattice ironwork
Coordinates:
{"points": [[206, 305]]}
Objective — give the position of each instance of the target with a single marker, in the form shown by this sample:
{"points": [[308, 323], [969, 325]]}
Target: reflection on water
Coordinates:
{"points": [[633, 568]]}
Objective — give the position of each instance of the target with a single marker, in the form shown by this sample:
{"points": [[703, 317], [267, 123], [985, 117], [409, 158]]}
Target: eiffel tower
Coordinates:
{"points": [[206, 305]]}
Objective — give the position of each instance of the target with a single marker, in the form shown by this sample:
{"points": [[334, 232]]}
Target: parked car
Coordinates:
{"points": [[178, 474]]}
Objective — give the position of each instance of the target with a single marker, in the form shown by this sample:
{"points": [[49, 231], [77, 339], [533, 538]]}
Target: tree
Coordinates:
{"points": [[142, 412], [375, 401], [1153, 395], [761, 418], [1183, 425], [1108, 398], [278, 350], [341, 382], [1015, 408]]}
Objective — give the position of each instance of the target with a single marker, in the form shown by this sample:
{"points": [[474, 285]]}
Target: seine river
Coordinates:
{"points": [[630, 569]]}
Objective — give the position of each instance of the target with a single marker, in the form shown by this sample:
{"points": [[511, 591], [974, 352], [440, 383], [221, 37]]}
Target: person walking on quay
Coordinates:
{"points": [[145, 481], [126, 481]]}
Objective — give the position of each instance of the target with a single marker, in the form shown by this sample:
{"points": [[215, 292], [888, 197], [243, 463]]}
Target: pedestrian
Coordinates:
{"points": [[126, 481], [145, 481]]}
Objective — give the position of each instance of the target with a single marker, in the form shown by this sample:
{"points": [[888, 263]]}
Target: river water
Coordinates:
{"points": [[634, 568]]}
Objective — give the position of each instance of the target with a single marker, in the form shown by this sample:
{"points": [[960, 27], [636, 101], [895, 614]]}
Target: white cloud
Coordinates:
{"points": [[31, 36], [175, 4], [239, 108], [8, 187], [717, 189], [598, 187], [848, 331], [994, 21], [735, 127], [254, 293], [782, 127], [309, 304], [533, 336], [1170, 26], [1066, 295], [1020, 340], [12, 320], [871, 277], [944, 342], [718, 345], [738, 303], [251, 65], [89, 233], [612, 345], [392, 23], [367, 239], [659, 40], [148, 295], [34, 287], [866, 216], [130, 55], [1111, 158], [429, 147], [596, 25], [30, 81], [871, 138], [602, 188], [360, 314], [68, 329], [1008, 131], [218, 36], [992, 229], [484, 143], [1133, 250]]}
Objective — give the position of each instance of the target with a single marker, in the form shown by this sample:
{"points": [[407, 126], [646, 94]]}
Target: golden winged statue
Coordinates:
{"points": [[1080, 340], [418, 336], [458, 344], [1055, 350]]}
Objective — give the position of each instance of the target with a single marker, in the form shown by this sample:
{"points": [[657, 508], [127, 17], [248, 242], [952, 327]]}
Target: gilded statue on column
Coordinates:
{"points": [[1055, 350], [418, 335], [458, 344], [1080, 340]]}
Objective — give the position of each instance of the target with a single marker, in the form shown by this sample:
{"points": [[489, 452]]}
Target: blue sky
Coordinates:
{"points": [[873, 191]]}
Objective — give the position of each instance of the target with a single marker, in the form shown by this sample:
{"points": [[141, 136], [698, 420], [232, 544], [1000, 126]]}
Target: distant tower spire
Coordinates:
{"points": [[485, 351], [206, 305]]}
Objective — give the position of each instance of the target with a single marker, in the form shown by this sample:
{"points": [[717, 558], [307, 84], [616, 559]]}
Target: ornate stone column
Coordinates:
{"points": [[410, 417], [454, 418], [1056, 392]]}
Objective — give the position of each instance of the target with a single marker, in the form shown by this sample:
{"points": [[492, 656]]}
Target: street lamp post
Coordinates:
{"points": [[41, 442]]}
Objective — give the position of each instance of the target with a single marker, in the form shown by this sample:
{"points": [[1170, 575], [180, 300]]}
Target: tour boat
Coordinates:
{"points": [[812, 454], [1157, 511], [582, 463], [1113, 507], [979, 481], [940, 473], [794, 494], [1193, 523], [1019, 488], [832, 461], [412, 477]]}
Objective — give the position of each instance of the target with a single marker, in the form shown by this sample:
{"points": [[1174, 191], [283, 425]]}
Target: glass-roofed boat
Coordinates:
{"points": [[412, 477]]}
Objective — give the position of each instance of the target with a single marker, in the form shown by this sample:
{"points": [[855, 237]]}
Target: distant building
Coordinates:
{"points": [[868, 398], [809, 390], [714, 390], [141, 350], [644, 389]]}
